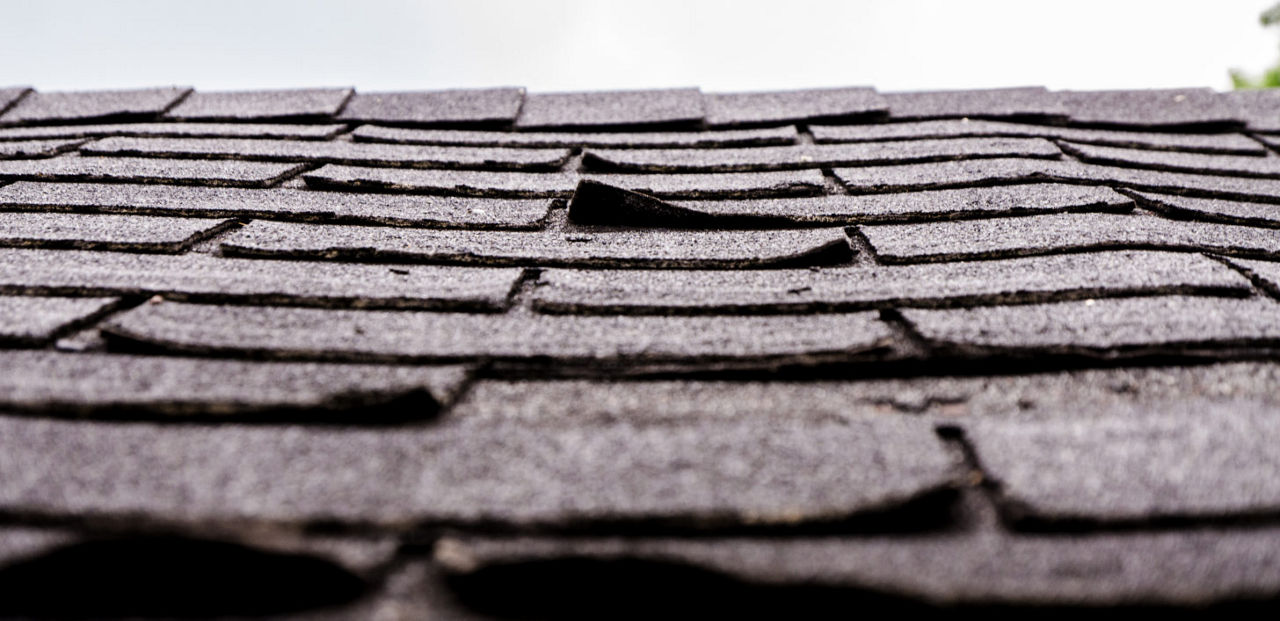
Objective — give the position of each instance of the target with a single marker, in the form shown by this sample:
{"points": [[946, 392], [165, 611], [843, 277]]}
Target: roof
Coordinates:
{"points": [[482, 353]]}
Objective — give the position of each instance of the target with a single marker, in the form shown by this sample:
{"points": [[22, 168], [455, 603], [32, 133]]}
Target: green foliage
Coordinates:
{"points": [[1269, 78]]}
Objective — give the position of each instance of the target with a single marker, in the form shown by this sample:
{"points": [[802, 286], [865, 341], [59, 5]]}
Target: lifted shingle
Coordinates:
{"points": [[771, 107], [74, 106], [149, 170], [1238, 212], [1170, 108], [633, 248], [105, 232], [36, 148], [37, 320], [277, 204], [449, 107], [725, 138], [115, 386], [1058, 233], [1063, 277], [1237, 165], [720, 185], [177, 130], [200, 277], [451, 182], [817, 156], [1031, 102], [670, 107], [350, 153], [296, 104], [568, 339]]}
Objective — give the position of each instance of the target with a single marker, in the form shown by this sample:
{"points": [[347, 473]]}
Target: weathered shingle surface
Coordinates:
{"points": [[485, 353]]}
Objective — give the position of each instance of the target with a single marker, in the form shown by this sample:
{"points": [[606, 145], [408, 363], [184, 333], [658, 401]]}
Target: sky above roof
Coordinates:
{"points": [[593, 44]]}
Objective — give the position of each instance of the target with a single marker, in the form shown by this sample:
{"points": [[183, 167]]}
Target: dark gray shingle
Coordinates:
{"points": [[36, 148], [296, 104], [1031, 102], [1235, 165], [105, 232], [28, 321], [703, 139], [449, 107], [1154, 108], [1238, 212], [772, 107], [676, 107], [150, 170], [76, 106], [177, 130]]}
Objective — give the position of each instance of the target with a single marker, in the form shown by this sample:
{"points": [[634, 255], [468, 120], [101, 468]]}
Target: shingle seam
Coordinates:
{"points": [[16, 100], [1262, 284]]}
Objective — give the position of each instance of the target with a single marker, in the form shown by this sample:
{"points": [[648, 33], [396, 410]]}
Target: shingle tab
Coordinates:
{"points": [[201, 277], [296, 104], [816, 156], [10, 95], [1238, 212], [37, 320], [720, 185], [150, 170], [635, 248], [693, 477], [350, 153], [957, 174], [1211, 185], [105, 232], [411, 335], [177, 130], [1234, 144], [1031, 102], [768, 107], [1175, 108], [678, 107], [703, 139], [1205, 462], [1104, 325], [1057, 233], [1266, 273], [36, 148], [1259, 108], [449, 107], [277, 204], [1062, 277], [44, 107], [1237, 165], [109, 385]]}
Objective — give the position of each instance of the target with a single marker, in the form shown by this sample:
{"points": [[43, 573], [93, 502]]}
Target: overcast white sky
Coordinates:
{"points": [[583, 44]]}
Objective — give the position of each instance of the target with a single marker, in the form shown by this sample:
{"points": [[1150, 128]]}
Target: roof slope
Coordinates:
{"points": [[482, 353]]}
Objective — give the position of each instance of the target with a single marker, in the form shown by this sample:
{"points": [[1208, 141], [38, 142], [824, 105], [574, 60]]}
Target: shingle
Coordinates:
{"points": [[297, 104], [277, 204], [150, 170], [1205, 462], [110, 385], [105, 232], [351, 153], [1058, 233], [1266, 273], [36, 320], [452, 182], [1238, 212], [449, 107], [1259, 108], [691, 477], [1061, 277], [790, 106], [704, 139], [720, 185], [1235, 144], [958, 174], [1105, 325], [1174, 108], [43, 107], [411, 335], [180, 130], [1271, 141], [200, 277], [812, 576], [816, 156], [10, 95], [1216, 186], [632, 248], [676, 107], [36, 148], [1237, 165], [1031, 102]]}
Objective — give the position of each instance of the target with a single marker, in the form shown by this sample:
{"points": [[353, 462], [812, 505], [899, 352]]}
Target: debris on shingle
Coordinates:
{"points": [[295, 104], [414, 335], [720, 185], [1185, 108], [1104, 325], [33, 321], [1265, 273], [78, 106], [671, 107], [448, 107], [449, 182], [955, 174], [1237, 212], [770, 107], [1259, 108], [277, 204], [1058, 233], [350, 153], [105, 232], [1231, 144], [200, 277], [1031, 102], [176, 130], [149, 170], [1238, 165], [816, 156], [1143, 467], [1062, 277], [110, 385], [704, 139], [10, 95], [630, 248], [36, 148]]}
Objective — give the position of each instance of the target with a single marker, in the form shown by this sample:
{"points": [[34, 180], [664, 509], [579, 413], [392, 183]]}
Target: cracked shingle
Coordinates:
{"points": [[296, 104], [105, 232], [705, 139], [75, 106], [149, 170], [1237, 165], [771, 107], [1154, 108], [176, 130], [1032, 102], [448, 107], [678, 107], [37, 320]]}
